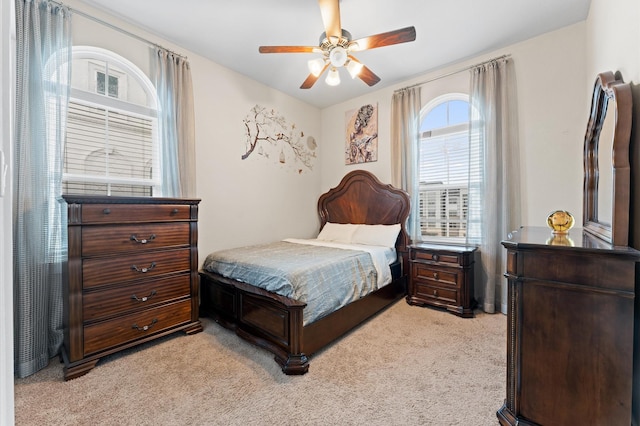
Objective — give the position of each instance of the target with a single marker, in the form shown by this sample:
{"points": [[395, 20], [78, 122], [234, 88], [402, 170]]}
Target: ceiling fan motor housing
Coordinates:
{"points": [[326, 43]]}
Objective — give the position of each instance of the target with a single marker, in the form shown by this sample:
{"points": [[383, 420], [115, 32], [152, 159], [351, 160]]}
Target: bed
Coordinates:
{"points": [[279, 323]]}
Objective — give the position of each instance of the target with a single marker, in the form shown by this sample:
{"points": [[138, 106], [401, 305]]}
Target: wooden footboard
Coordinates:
{"points": [[274, 322]]}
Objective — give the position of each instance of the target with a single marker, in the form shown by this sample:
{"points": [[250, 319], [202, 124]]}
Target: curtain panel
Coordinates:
{"points": [[494, 177], [43, 46], [405, 140], [177, 128]]}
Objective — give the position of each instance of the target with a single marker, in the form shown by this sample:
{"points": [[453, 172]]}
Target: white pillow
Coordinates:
{"points": [[376, 235], [337, 232]]}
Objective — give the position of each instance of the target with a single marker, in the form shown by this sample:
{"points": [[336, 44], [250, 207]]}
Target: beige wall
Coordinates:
{"points": [[552, 111], [267, 202], [613, 39], [243, 201]]}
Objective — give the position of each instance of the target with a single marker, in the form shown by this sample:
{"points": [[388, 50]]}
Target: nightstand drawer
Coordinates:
{"points": [[439, 276], [114, 301], [105, 239], [131, 327], [442, 294], [434, 256]]}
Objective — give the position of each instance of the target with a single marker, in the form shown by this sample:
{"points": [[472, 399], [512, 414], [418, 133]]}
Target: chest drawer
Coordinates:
{"points": [[434, 275], [124, 268], [113, 301], [110, 213], [104, 239], [130, 327]]}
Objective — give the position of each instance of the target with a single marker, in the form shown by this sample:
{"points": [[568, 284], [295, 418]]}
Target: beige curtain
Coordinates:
{"points": [[405, 139], [177, 129], [494, 181]]}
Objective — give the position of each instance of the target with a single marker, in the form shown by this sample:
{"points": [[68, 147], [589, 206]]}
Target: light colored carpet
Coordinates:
{"points": [[407, 366]]}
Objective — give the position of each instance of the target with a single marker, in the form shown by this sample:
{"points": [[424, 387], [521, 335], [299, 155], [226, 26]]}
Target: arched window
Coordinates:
{"points": [[112, 127], [444, 168]]}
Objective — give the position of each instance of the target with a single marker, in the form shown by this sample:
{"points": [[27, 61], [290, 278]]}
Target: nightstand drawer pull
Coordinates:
{"points": [[144, 240], [436, 257], [436, 276], [144, 298], [435, 293], [174, 211], [146, 327], [143, 270], [106, 211]]}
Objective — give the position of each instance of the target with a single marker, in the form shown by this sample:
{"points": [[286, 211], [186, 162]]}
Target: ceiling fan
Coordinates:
{"points": [[336, 46]]}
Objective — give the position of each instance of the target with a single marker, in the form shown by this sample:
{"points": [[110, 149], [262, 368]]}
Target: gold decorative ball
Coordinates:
{"points": [[560, 221]]}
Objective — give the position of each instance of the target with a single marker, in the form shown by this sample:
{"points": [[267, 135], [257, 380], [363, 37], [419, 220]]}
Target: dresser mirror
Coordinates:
{"points": [[606, 160], [605, 166]]}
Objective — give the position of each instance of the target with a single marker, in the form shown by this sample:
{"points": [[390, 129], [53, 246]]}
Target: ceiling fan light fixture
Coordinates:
{"points": [[333, 78], [338, 56], [316, 66], [354, 68], [336, 44]]}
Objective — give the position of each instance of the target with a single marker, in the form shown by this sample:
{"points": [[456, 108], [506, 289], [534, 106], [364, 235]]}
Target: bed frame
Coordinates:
{"points": [[274, 322]]}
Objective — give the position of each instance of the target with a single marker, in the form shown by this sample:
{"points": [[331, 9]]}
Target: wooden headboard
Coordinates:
{"points": [[362, 199]]}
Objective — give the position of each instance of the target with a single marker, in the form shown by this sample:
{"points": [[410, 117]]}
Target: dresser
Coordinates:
{"points": [[131, 275], [570, 330], [442, 276]]}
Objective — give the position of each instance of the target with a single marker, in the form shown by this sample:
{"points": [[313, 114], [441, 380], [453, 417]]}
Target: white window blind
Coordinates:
{"points": [[108, 151], [444, 175], [111, 134]]}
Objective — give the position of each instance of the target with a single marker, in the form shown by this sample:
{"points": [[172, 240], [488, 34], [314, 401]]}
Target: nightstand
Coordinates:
{"points": [[442, 276]]}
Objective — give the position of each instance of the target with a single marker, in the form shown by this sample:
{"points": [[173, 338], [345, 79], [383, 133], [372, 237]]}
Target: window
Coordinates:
{"points": [[101, 83], [111, 143], [444, 169]]}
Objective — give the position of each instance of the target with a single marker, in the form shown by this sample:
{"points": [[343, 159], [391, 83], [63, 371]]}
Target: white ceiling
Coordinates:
{"points": [[448, 31]]}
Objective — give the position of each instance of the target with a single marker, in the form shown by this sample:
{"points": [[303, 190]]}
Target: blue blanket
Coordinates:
{"points": [[325, 278]]}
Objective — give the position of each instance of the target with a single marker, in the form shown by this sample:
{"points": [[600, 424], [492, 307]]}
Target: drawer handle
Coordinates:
{"points": [[436, 257], [436, 276], [144, 298], [106, 211], [435, 293], [174, 211], [143, 270], [146, 327], [144, 240]]}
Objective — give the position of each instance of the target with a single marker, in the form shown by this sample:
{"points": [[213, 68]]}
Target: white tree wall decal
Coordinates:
{"points": [[268, 134]]}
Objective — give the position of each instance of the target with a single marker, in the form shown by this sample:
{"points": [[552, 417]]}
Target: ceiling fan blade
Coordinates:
{"points": [[289, 49], [330, 10], [402, 35], [311, 79], [368, 76], [365, 73]]}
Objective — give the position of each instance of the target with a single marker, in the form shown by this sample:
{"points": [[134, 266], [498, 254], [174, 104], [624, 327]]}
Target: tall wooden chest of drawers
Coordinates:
{"points": [[131, 275], [442, 276]]}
